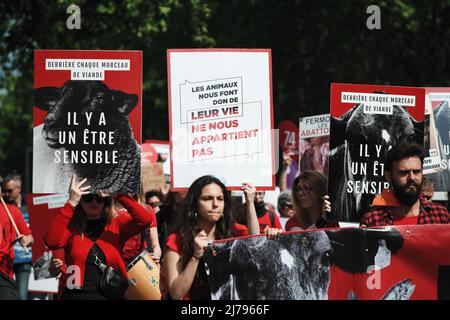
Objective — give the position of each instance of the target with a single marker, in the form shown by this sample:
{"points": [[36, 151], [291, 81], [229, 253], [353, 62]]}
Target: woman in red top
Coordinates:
{"points": [[310, 202], [206, 217], [86, 230]]}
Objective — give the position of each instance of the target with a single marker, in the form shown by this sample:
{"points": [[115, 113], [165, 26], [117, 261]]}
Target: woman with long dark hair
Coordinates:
{"points": [[312, 208], [89, 232], [206, 217]]}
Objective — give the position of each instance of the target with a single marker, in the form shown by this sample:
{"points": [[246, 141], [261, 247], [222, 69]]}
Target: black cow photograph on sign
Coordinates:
{"points": [[87, 120], [367, 121], [333, 264]]}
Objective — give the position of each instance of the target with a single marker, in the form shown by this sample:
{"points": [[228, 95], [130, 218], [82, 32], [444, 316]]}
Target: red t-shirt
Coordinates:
{"points": [[201, 289], [8, 235], [265, 222], [406, 220], [291, 223]]}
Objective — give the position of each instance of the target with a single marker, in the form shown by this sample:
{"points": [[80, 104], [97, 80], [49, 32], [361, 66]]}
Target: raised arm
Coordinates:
{"points": [[179, 282], [59, 234], [252, 219], [137, 220]]}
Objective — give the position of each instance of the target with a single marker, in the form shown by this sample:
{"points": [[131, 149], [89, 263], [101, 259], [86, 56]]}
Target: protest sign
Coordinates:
{"points": [[440, 103], [366, 121], [42, 210], [288, 133], [432, 152], [87, 120], [153, 177], [288, 141], [393, 263], [314, 143], [162, 149], [221, 117]]}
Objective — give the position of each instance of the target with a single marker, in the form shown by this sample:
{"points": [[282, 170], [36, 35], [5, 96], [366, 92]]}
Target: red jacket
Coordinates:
{"points": [[111, 241], [8, 235]]}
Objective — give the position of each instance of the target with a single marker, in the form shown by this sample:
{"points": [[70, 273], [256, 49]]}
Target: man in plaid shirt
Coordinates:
{"points": [[403, 170]]}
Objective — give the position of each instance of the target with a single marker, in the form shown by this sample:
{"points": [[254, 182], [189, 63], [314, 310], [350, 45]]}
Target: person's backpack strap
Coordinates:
{"points": [[272, 218]]}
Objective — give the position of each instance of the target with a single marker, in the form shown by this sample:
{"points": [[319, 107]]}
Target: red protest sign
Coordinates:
{"points": [[288, 137]]}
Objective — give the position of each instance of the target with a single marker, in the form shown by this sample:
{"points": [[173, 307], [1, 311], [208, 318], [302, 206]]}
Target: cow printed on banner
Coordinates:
{"points": [[330, 264]]}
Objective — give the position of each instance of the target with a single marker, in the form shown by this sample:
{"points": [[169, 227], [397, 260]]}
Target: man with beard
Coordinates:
{"points": [[267, 218], [403, 170]]}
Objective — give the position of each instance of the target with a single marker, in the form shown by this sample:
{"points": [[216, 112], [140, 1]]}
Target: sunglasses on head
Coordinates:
{"points": [[88, 198]]}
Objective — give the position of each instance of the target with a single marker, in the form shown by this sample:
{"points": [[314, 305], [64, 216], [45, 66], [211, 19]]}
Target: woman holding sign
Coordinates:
{"points": [[206, 217], [310, 202], [92, 240]]}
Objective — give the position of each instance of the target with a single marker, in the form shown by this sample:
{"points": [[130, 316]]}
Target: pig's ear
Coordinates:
{"points": [[45, 97], [126, 101]]}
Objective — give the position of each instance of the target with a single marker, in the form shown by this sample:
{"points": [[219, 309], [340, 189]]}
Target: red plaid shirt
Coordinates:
{"points": [[430, 213]]}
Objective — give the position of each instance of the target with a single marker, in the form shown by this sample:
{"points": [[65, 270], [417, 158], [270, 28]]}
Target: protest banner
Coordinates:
{"points": [[314, 143], [366, 121], [87, 120], [393, 263], [221, 116], [440, 99]]}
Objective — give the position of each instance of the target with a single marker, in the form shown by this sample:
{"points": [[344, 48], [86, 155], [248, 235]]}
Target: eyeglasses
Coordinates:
{"points": [[303, 190], [88, 198], [8, 190], [428, 197], [290, 206]]}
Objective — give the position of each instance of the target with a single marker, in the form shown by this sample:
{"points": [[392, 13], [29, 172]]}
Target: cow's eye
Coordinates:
{"points": [[326, 259]]}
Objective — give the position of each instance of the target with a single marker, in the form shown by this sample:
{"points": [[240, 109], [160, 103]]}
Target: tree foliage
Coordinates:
{"points": [[313, 44]]}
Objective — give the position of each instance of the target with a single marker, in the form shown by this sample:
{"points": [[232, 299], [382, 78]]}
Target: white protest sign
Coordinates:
{"points": [[221, 116]]}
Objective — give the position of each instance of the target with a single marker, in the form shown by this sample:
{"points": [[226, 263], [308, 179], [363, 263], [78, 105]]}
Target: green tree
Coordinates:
{"points": [[313, 44], [151, 26]]}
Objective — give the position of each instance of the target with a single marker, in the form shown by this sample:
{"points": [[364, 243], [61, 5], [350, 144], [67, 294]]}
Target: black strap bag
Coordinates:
{"points": [[112, 284]]}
